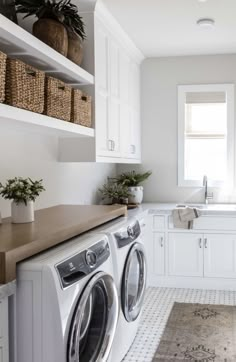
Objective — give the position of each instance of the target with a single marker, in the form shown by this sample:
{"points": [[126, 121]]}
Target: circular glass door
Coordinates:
{"points": [[94, 321], [134, 282]]}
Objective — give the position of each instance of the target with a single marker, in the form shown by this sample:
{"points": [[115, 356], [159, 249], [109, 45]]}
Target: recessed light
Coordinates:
{"points": [[202, 1], [206, 23]]}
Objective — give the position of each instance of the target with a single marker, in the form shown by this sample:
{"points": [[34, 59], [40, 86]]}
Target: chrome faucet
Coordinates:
{"points": [[208, 196]]}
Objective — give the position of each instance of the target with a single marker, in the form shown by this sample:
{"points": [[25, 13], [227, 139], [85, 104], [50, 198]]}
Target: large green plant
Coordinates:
{"points": [[61, 10], [21, 189], [114, 192], [132, 178]]}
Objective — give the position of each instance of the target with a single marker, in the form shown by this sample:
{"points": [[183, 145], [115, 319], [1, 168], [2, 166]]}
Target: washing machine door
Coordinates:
{"points": [[134, 282], [94, 321]]}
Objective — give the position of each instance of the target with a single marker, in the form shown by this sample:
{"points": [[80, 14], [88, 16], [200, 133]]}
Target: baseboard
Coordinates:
{"points": [[192, 283]]}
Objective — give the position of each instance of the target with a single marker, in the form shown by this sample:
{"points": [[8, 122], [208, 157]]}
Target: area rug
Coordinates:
{"points": [[199, 333]]}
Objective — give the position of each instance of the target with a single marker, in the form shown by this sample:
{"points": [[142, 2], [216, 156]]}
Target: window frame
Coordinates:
{"points": [[229, 90]]}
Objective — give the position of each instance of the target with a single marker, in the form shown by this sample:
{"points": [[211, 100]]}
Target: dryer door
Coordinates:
{"points": [[94, 321], [134, 282]]}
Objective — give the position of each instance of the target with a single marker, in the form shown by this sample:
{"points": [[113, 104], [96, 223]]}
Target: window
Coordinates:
{"points": [[206, 134]]}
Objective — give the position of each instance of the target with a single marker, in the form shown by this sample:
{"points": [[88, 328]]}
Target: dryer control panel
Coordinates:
{"points": [[82, 264], [128, 235]]}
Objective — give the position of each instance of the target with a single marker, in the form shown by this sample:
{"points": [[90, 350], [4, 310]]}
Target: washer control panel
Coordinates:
{"points": [[82, 264]]}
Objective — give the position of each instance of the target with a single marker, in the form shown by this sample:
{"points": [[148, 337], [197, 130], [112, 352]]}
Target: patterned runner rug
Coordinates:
{"points": [[199, 333]]}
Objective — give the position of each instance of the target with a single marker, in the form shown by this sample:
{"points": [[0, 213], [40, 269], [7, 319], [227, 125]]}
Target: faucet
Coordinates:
{"points": [[208, 196]]}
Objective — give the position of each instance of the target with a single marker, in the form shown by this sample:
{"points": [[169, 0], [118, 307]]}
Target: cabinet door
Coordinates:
{"points": [[159, 253], [185, 254], [220, 255]]}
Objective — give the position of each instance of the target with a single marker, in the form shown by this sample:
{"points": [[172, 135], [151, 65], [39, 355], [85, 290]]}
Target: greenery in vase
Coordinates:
{"points": [[21, 189], [62, 10], [132, 178], [115, 192]]}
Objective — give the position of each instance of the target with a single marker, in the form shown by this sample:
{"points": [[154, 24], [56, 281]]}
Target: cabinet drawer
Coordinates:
{"points": [[211, 223], [158, 222]]}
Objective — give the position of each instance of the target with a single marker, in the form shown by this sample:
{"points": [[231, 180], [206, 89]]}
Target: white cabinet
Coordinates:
{"points": [[220, 255], [159, 246], [117, 98], [185, 254]]}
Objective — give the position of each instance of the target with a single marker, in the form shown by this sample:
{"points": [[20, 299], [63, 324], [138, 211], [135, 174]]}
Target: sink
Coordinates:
{"points": [[198, 206], [214, 207]]}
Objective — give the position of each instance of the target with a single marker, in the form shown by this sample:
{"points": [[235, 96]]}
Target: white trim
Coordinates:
{"points": [[192, 282], [103, 14], [182, 90]]}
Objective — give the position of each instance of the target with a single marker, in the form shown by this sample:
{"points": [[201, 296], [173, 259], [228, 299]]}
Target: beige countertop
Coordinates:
{"points": [[51, 227]]}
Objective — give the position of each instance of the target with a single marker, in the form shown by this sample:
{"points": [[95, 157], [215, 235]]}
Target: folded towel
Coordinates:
{"points": [[183, 217]]}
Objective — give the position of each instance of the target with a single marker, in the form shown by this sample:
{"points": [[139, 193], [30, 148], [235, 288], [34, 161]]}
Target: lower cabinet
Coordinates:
{"points": [[185, 254], [220, 255], [4, 340], [208, 255]]}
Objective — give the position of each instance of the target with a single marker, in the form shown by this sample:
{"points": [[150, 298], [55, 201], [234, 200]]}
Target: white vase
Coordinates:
{"points": [[22, 213], [136, 195]]}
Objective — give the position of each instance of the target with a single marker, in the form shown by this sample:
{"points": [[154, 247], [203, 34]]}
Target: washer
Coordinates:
{"points": [[67, 303], [130, 274]]}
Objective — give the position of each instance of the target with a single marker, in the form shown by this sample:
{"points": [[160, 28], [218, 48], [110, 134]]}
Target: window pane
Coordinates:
{"points": [[208, 118], [205, 157]]}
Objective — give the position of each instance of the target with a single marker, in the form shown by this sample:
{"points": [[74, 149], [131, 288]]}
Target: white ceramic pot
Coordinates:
{"points": [[136, 195], [22, 213]]}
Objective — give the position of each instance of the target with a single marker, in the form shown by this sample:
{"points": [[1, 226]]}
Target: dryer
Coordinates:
{"points": [[130, 274], [67, 303]]}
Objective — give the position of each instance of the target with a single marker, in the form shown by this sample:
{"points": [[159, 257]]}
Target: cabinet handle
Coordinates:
{"points": [[200, 243], [205, 243], [133, 149], [161, 241], [110, 145], [113, 145]]}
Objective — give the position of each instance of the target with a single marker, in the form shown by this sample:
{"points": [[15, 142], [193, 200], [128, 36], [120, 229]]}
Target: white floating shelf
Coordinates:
{"points": [[17, 42], [20, 119]]}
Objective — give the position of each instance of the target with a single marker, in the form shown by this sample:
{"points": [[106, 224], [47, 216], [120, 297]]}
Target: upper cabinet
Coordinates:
{"points": [[116, 94]]}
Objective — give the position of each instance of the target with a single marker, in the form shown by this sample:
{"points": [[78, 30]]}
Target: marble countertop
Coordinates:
{"points": [[7, 289], [166, 208]]}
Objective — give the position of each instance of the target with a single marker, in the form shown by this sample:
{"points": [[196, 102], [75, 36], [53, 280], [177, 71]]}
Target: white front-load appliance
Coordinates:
{"points": [[130, 274], [67, 303]]}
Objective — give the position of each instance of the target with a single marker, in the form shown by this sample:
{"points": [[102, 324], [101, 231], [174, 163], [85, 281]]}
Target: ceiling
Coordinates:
{"points": [[168, 27]]}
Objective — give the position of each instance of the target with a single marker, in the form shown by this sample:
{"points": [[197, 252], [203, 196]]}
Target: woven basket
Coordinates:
{"points": [[57, 99], [81, 108], [3, 60], [24, 86]]}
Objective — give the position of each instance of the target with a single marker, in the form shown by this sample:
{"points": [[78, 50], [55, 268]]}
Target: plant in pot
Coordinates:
{"points": [[23, 192], [114, 193], [59, 25], [132, 180]]}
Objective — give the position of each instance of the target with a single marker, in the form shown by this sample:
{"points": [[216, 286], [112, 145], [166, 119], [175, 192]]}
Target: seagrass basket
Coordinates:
{"points": [[81, 108], [3, 60], [58, 99], [24, 86]]}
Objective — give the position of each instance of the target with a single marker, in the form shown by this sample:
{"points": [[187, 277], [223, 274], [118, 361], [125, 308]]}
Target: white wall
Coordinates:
{"points": [[34, 155], [160, 77]]}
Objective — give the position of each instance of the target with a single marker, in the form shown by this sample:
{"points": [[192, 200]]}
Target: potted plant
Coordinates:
{"points": [[115, 193], [59, 25], [23, 192], [132, 180]]}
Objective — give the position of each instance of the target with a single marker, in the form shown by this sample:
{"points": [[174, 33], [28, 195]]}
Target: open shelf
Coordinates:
{"points": [[20, 119], [17, 42]]}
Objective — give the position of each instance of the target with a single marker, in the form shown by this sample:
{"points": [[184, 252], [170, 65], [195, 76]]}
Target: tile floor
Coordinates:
{"points": [[158, 304]]}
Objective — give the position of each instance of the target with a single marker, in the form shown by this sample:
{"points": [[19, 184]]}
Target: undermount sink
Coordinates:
{"points": [[220, 207]]}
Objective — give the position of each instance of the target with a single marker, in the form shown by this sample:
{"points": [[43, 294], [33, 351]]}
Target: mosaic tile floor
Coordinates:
{"points": [[158, 304]]}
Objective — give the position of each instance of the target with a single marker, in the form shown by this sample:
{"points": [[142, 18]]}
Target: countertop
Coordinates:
{"points": [[166, 208], [51, 227]]}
